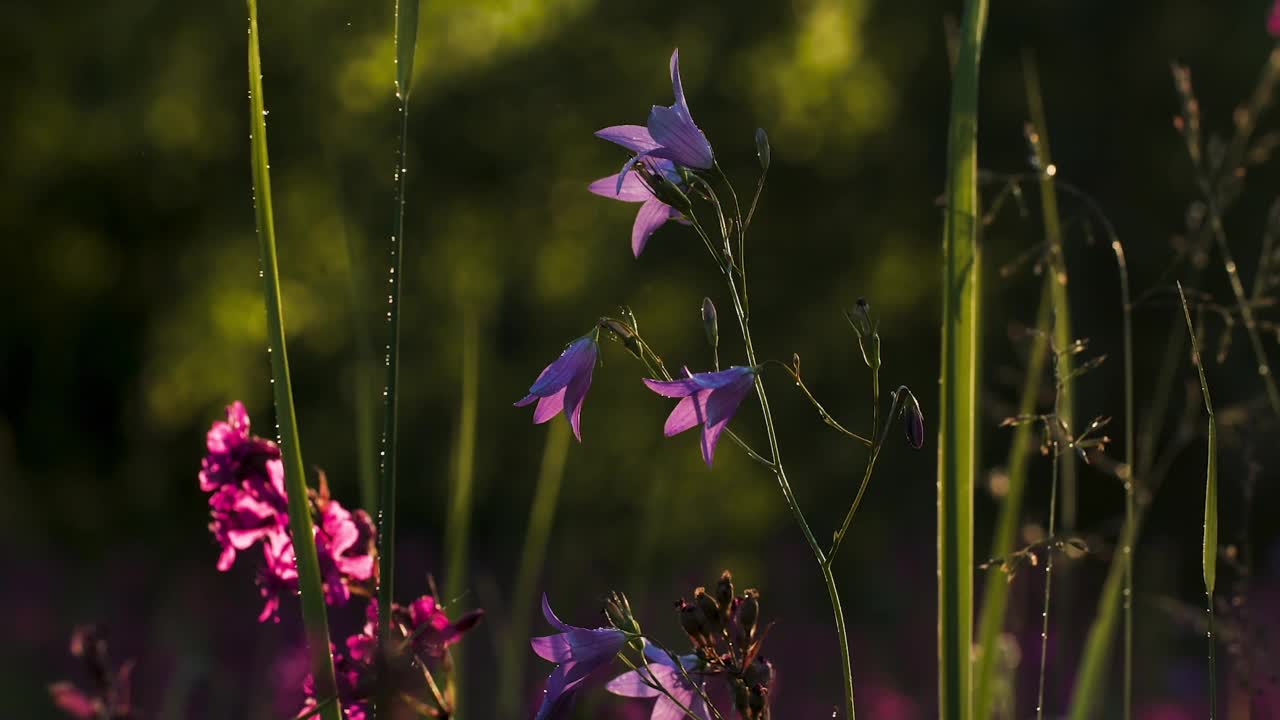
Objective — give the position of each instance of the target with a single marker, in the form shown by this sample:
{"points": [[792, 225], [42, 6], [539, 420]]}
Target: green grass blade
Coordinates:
{"points": [[1209, 558], [458, 524], [407, 12], [995, 596], [406, 41], [1091, 675], [524, 595], [314, 617], [958, 412], [1062, 336]]}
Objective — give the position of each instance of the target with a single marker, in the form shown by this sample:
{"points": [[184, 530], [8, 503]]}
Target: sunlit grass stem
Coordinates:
{"points": [[314, 617], [1057, 270], [958, 409], [995, 597], [1056, 438], [1209, 558]]}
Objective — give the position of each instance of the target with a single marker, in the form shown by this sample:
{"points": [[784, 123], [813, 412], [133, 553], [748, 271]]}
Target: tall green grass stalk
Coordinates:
{"points": [[523, 595], [1209, 559], [458, 523], [1057, 272], [314, 617], [406, 40], [995, 596], [958, 411]]}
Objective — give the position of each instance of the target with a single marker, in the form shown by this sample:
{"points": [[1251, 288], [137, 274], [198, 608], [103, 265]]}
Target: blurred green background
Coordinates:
{"points": [[133, 310]]}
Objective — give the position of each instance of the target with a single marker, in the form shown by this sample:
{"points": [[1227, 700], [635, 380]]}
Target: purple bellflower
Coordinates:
{"points": [[563, 385], [670, 134], [580, 652], [662, 671], [653, 213], [670, 139], [707, 399]]}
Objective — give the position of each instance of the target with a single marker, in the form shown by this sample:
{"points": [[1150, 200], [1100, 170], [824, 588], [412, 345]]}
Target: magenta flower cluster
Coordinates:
{"points": [[245, 478], [424, 620]]}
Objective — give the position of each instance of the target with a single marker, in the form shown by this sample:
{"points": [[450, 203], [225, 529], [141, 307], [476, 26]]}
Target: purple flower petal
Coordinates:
{"points": [[549, 406], [633, 188], [681, 140], [677, 87], [653, 214], [635, 138], [689, 412], [674, 388], [575, 394]]}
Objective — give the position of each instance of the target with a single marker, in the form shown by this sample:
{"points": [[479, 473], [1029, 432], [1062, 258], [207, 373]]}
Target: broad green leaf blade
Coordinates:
{"points": [[310, 589]]}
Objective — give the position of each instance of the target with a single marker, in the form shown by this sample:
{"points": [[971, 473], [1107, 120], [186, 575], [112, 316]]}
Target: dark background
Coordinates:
{"points": [[132, 313]]}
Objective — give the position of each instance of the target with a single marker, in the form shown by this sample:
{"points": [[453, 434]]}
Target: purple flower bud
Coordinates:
{"points": [[710, 323], [762, 148], [749, 612], [913, 420]]}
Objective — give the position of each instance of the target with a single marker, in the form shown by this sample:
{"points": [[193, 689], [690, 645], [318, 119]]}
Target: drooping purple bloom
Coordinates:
{"points": [[663, 672], [579, 652], [563, 385], [653, 213], [913, 420], [707, 399]]}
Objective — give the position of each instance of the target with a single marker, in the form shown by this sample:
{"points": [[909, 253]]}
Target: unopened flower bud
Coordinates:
{"points": [[724, 592], [710, 323], [762, 148], [759, 673], [913, 420], [664, 188], [624, 334], [749, 612], [710, 609], [618, 609], [694, 623], [866, 330]]}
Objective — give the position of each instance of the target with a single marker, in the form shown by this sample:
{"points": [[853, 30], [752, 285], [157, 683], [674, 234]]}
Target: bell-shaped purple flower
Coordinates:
{"points": [[678, 137], [580, 652], [653, 212], [706, 399], [662, 671], [563, 385], [670, 134]]}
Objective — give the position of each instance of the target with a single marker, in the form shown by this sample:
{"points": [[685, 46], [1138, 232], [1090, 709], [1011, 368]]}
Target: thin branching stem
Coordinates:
{"points": [[822, 412], [1053, 515], [866, 478]]}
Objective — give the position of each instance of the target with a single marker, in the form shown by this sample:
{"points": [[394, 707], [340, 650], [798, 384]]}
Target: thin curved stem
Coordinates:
{"points": [[866, 479], [822, 412]]}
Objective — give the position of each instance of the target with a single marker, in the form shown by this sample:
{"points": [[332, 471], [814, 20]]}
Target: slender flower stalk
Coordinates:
{"points": [[1055, 440], [314, 617], [958, 411]]}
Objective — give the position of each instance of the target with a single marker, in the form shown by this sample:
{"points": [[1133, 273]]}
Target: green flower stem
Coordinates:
{"points": [[314, 617], [958, 406]]}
